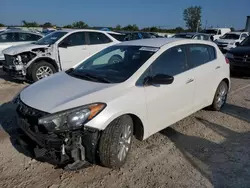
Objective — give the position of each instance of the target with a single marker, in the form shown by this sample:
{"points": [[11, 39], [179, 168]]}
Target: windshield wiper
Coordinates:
{"points": [[91, 77], [97, 78]]}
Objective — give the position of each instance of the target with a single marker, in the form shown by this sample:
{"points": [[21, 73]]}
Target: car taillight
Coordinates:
{"points": [[227, 60]]}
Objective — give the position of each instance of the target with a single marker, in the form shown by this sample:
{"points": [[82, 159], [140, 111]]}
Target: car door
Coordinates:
{"points": [[73, 49], [167, 104], [97, 41], [206, 69]]}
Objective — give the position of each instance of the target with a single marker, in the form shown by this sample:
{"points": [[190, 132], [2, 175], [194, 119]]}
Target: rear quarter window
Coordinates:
{"points": [[200, 54]]}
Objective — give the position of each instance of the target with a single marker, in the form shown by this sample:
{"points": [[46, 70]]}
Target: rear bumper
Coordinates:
{"points": [[241, 67]]}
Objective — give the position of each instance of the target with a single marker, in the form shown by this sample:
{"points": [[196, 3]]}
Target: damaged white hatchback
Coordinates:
{"points": [[90, 113], [55, 52]]}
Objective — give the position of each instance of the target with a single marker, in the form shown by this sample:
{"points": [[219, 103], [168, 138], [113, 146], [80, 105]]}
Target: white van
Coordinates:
{"points": [[216, 32]]}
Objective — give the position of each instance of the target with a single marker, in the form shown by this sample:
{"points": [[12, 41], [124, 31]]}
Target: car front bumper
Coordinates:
{"points": [[67, 148], [17, 72]]}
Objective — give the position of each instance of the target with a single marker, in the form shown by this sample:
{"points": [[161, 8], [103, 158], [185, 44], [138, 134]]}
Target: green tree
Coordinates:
{"points": [[133, 27], [80, 25], [1, 25], [67, 26], [118, 27], [30, 24], [47, 24], [192, 17]]}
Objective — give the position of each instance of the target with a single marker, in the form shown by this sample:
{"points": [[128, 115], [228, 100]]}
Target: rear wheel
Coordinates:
{"points": [[220, 96], [41, 69], [115, 142]]}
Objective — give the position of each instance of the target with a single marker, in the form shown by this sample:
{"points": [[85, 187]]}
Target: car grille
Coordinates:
{"points": [[9, 60], [244, 58], [30, 115]]}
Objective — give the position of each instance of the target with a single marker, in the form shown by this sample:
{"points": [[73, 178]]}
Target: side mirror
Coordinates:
{"points": [[237, 44], [160, 79], [64, 44]]}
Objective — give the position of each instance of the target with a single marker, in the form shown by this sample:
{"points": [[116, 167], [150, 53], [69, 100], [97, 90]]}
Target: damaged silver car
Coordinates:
{"points": [[55, 52]]}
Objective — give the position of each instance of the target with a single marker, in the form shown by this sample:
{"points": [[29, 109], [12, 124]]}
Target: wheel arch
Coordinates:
{"points": [[47, 59]]}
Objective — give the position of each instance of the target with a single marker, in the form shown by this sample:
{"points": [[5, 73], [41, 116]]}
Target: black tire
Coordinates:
{"points": [[35, 68], [216, 105], [110, 142]]}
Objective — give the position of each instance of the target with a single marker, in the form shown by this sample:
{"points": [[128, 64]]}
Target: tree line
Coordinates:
{"points": [[191, 15]]}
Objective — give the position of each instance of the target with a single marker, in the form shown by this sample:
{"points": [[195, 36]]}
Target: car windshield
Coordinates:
{"points": [[231, 36], [50, 38], [186, 36], [210, 31], [245, 42], [114, 64]]}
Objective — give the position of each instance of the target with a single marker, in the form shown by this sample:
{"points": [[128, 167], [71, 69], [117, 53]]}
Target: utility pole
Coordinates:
{"points": [[198, 24]]}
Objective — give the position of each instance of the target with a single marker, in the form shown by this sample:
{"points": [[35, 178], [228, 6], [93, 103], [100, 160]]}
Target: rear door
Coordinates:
{"points": [[206, 69], [167, 104], [74, 51]]}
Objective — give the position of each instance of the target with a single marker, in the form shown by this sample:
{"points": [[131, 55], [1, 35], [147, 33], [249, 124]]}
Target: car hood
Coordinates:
{"points": [[14, 50], [61, 91], [241, 50], [225, 40]]}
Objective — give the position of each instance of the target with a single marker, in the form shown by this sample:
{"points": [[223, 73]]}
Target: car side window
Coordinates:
{"points": [[98, 38], [8, 37], [171, 62], [199, 54], [28, 37], [75, 39]]}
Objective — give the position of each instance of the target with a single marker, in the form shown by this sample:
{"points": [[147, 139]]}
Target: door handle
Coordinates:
{"points": [[190, 81], [218, 67]]}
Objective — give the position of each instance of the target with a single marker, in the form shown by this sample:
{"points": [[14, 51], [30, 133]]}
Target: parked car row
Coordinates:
{"points": [[88, 114]]}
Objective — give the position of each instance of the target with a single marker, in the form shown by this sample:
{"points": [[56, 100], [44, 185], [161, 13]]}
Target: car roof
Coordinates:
{"points": [[152, 42], [22, 31], [76, 30]]}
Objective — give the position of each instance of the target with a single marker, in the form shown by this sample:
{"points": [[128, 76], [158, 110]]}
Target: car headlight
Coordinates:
{"points": [[72, 118], [229, 55], [232, 43]]}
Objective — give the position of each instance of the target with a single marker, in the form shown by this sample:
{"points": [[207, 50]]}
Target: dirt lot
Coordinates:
{"points": [[208, 149]]}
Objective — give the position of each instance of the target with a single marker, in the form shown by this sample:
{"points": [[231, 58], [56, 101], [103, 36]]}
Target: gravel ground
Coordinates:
{"points": [[207, 149]]}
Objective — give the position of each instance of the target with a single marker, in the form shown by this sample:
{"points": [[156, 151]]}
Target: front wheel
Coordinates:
{"points": [[115, 142], [220, 96], [42, 70]]}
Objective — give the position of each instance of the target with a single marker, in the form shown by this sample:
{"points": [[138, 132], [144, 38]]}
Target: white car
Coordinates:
{"points": [[91, 112], [216, 32], [16, 37], [55, 52], [230, 40]]}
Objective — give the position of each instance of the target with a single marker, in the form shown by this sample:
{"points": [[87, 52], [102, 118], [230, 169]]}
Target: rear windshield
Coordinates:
{"points": [[231, 36], [210, 31], [186, 36], [119, 37]]}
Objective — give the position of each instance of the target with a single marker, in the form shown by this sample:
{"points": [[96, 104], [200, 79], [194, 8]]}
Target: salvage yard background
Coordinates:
{"points": [[207, 149]]}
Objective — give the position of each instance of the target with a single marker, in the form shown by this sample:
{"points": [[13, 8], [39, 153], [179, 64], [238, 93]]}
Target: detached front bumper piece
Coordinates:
{"points": [[17, 73], [70, 149]]}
